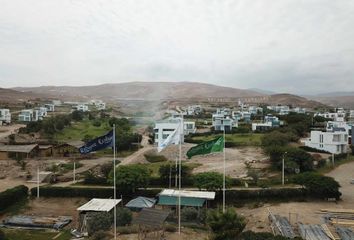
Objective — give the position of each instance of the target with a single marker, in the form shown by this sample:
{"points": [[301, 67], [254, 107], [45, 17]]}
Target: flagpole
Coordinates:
{"points": [[38, 179], [224, 178], [114, 181], [179, 173]]}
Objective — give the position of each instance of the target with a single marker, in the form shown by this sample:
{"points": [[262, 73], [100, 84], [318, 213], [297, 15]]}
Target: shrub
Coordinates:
{"points": [[124, 216], [167, 169], [318, 185], [96, 123], [12, 195], [152, 158], [227, 225], [98, 221], [210, 181], [106, 168], [91, 178], [189, 214]]}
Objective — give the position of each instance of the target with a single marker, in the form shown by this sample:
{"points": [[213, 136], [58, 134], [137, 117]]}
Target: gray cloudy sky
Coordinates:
{"points": [[298, 46]]}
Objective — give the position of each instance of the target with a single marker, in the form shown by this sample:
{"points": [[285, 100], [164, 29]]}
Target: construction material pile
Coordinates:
{"points": [[34, 222], [281, 226], [313, 232], [345, 233], [339, 216]]}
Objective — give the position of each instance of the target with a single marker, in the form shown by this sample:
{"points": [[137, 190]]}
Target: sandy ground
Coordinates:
{"points": [[305, 212], [8, 130]]}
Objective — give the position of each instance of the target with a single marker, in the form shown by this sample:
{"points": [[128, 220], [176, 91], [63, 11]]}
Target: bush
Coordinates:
{"points": [[210, 181], [124, 216], [277, 138], [152, 158], [98, 221], [319, 186], [92, 192], [91, 178], [227, 225], [131, 177], [12, 195], [189, 214], [96, 123]]}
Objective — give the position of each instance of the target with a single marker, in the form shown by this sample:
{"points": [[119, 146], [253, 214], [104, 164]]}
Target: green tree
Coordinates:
{"points": [[210, 181], [131, 177], [77, 115], [225, 226], [318, 185]]}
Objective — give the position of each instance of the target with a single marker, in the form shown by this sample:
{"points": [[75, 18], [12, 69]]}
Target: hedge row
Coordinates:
{"points": [[90, 192], [232, 196], [12, 195]]}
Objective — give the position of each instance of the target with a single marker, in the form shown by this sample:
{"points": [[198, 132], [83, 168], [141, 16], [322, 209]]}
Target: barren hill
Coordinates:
{"points": [[294, 100], [145, 90]]}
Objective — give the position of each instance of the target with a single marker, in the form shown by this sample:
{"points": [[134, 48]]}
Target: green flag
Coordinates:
{"points": [[216, 145]]}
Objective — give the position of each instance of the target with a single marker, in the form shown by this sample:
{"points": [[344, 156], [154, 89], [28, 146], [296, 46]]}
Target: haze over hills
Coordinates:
{"points": [[162, 91], [146, 90]]}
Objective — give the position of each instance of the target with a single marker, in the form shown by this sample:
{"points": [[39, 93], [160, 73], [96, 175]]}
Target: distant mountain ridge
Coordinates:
{"points": [[146, 90], [157, 91]]}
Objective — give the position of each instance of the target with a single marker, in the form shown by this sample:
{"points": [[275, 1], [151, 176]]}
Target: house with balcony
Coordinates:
{"points": [[335, 142], [42, 113], [281, 109], [224, 121], [298, 110], [269, 122], [194, 110], [5, 116], [254, 110]]}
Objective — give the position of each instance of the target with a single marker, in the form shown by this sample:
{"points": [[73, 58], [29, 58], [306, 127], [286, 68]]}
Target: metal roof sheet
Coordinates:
{"points": [[188, 193], [141, 202], [185, 201], [151, 217], [99, 205]]}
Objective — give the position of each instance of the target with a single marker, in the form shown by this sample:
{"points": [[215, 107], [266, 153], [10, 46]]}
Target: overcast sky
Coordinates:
{"points": [[297, 46]]}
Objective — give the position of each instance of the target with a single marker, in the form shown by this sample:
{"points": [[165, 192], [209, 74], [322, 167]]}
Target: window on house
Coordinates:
{"points": [[336, 138]]}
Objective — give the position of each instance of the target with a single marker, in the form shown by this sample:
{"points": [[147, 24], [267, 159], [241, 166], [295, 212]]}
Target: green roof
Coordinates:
{"points": [[185, 201]]}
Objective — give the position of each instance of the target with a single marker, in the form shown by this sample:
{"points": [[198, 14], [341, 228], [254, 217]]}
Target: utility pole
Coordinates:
{"points": [[283, 170]]}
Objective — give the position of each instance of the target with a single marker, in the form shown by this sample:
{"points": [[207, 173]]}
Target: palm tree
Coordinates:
{"points": [[225, 226]]}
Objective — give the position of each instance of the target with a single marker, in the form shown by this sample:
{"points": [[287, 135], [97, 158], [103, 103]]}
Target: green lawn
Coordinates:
{"points": [[16, 234], [78, 130], [240, 139]]}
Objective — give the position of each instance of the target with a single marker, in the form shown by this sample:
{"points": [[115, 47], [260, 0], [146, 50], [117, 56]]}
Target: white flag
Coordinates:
{"points": [[173, 138]]}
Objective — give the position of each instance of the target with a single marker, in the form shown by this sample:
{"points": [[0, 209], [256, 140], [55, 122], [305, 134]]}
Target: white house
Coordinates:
{"points": [[254, 110], [223, 120], [338, 116], [298, 110], [99, 104], [282, 110], [333, 142], [194, 110], [27, 115], [81, 107], [5, 116], [49, 107], [42, 113], [164, 128], [269, 122]]}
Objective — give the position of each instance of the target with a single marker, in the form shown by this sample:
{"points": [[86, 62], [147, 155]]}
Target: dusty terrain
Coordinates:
{"points": [[305, 212], [5, 131]]}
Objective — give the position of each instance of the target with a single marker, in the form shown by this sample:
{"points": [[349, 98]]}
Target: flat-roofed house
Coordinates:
{"points": [[5, 116], [169, 197], [18, 151]]}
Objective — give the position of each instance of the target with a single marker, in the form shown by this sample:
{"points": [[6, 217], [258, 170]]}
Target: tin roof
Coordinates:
{"points": [[18, 148], [99, 205], [186, 193]]}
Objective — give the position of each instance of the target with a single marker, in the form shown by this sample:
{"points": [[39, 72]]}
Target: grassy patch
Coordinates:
{"points": [[239, 139], [78, 130], [16, 234]]}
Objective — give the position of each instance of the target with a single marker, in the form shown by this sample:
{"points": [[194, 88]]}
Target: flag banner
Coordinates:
{"points": [[173, 138], [216, 145], [98, 143]]}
